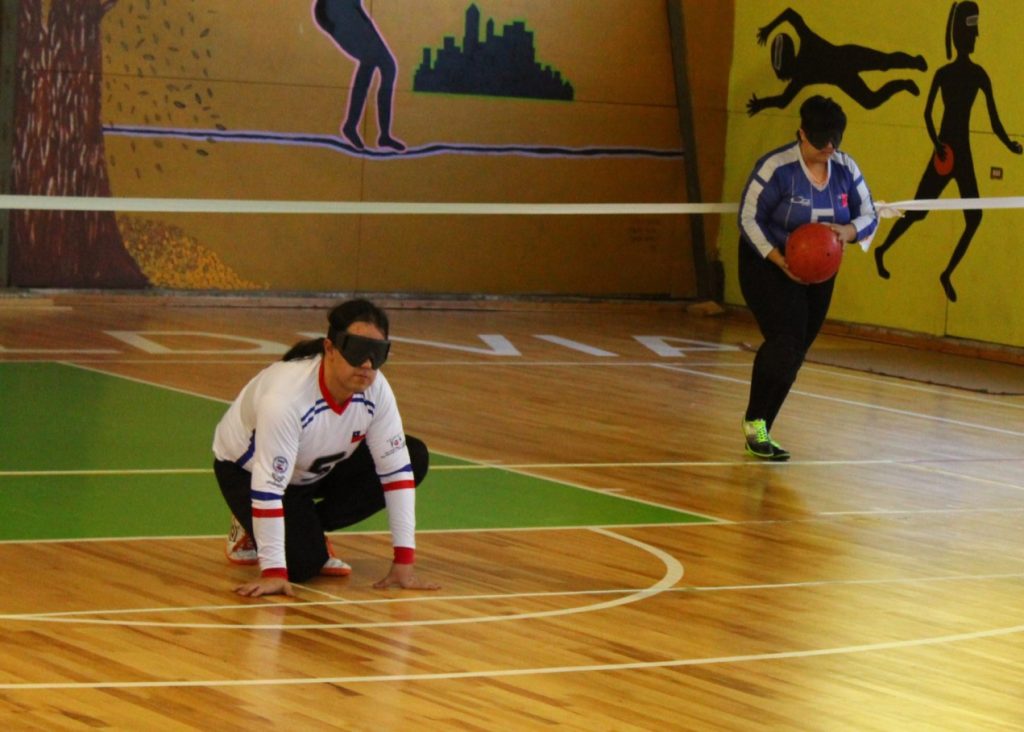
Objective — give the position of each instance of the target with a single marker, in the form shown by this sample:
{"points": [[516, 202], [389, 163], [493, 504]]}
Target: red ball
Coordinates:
{"points": [[813, 253]]}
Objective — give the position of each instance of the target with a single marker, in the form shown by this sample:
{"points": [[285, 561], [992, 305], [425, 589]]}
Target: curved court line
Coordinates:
{"points": [[673, 573], [540, 671]]}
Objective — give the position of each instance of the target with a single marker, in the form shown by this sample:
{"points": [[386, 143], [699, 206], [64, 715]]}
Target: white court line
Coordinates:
{"points": [[549, 670], [673, 573], [512, 470], [820, 517], [851, 402], [917, 511], [540, 671], [920, 463], [900, 382], [971, 478], [433, 598], [892, 381], [135, 380]]}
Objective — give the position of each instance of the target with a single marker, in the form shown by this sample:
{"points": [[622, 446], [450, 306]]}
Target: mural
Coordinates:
{"points": [[502, 65], [817, 61], [59, 151], [356, 35], [968, 115], [134, 98], [958, 83]]}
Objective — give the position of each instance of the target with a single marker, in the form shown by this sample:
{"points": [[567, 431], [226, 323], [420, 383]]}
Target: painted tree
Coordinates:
{"points": [[59, 151]]}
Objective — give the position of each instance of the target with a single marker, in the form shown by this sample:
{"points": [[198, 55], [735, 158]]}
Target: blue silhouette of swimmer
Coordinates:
{"points": [[819, 62], [959, 82], [355, 33]]}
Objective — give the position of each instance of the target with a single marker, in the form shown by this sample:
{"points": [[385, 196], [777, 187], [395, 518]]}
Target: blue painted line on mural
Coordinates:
{"points": [[339, 145]]}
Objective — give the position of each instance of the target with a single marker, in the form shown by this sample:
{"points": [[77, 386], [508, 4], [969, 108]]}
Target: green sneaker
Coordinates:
{"points": [[758, 444]]}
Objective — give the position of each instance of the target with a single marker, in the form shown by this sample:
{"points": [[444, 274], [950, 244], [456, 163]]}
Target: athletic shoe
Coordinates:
{"points": [[759, 444], [334, 567], [240, 549], [778, 451]]}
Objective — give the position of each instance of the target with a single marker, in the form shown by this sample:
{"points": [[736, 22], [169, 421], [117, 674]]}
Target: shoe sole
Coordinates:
{"points": [[339, 572], [775, 456]]}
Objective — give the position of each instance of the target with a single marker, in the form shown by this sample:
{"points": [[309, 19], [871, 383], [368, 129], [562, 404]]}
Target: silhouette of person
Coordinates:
{"points": [[819, 62], [355, 33], [959, 82]]}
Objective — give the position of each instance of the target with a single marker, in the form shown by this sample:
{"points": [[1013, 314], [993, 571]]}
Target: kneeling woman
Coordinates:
{"points": [[315, 443]]}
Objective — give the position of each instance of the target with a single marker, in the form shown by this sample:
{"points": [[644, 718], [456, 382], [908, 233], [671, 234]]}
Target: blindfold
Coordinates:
{"points": [[356, 350], [821, 138]]}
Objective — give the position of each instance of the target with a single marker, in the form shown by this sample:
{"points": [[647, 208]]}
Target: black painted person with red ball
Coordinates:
{"points": [[807, 181]]}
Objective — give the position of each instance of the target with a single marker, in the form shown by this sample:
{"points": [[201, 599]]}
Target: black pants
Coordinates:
{"points": [[790, 316], [345, 496]]}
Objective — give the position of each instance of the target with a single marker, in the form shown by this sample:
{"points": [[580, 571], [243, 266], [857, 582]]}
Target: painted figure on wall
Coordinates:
{"points": [[357, 36], [817, 61], [959, 83]]}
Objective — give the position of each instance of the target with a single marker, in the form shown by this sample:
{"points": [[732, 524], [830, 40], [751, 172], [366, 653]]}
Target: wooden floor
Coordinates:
{"points": [[875, 582]]}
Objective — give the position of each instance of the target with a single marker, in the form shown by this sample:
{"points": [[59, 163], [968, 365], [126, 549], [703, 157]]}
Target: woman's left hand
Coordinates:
{"points": [[403, 575]]}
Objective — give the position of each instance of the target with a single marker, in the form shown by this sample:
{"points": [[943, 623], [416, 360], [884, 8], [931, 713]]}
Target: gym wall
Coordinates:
{"points": [[217, 99], [891, 145]]}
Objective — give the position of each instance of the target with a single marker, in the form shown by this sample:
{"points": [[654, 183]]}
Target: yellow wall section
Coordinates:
{"points": [[891, 146]]}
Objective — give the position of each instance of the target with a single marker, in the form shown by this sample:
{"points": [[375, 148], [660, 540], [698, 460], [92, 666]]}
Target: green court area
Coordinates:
{"points": [[88, 455]]}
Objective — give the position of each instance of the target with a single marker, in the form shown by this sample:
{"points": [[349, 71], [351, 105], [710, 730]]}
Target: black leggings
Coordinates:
{"points": [[790, 316], [348, 494]]}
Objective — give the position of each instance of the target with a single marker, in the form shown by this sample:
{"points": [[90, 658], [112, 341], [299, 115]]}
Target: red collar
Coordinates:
{"points": [[335, 407]]}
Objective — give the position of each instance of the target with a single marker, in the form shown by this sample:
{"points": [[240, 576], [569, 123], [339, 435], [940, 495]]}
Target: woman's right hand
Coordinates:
{"points": [[777, 258], [266, 586]]}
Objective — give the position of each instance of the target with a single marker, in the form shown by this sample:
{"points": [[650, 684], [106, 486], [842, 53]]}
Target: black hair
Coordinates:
{"points": [[338, 321], [821, 114]]}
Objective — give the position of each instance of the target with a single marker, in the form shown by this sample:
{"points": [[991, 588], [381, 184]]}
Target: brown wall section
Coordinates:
{"points": [[265, 67], [709, 33]]}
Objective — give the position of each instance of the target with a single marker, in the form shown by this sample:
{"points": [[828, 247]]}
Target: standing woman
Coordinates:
{"points": [[805, 181], [315, 443]]}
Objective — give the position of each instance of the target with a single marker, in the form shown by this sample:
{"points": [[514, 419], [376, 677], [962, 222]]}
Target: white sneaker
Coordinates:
{"points": [[240, 549], [334, 567]]}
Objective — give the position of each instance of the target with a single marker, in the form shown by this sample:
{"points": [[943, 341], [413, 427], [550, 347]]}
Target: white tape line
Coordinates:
{"points": [[227, 205], [194, 205], [891, 210]]}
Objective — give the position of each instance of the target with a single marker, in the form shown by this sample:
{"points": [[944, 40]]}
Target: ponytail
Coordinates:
{"points": [[305, 349]]}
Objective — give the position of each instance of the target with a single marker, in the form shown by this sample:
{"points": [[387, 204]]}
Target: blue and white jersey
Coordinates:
{"points": [[780, 196], [285, 428]]}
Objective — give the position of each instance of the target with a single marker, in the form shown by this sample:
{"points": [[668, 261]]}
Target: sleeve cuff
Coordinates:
{"points": [[275, 572], [405, 555]]}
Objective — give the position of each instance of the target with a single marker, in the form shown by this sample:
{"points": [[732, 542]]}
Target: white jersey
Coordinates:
{"points": [[285, 428]]}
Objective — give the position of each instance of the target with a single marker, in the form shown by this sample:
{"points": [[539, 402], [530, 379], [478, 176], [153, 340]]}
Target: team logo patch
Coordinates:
{"points": [[844, 200], [397, 442], [280, 464]]}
